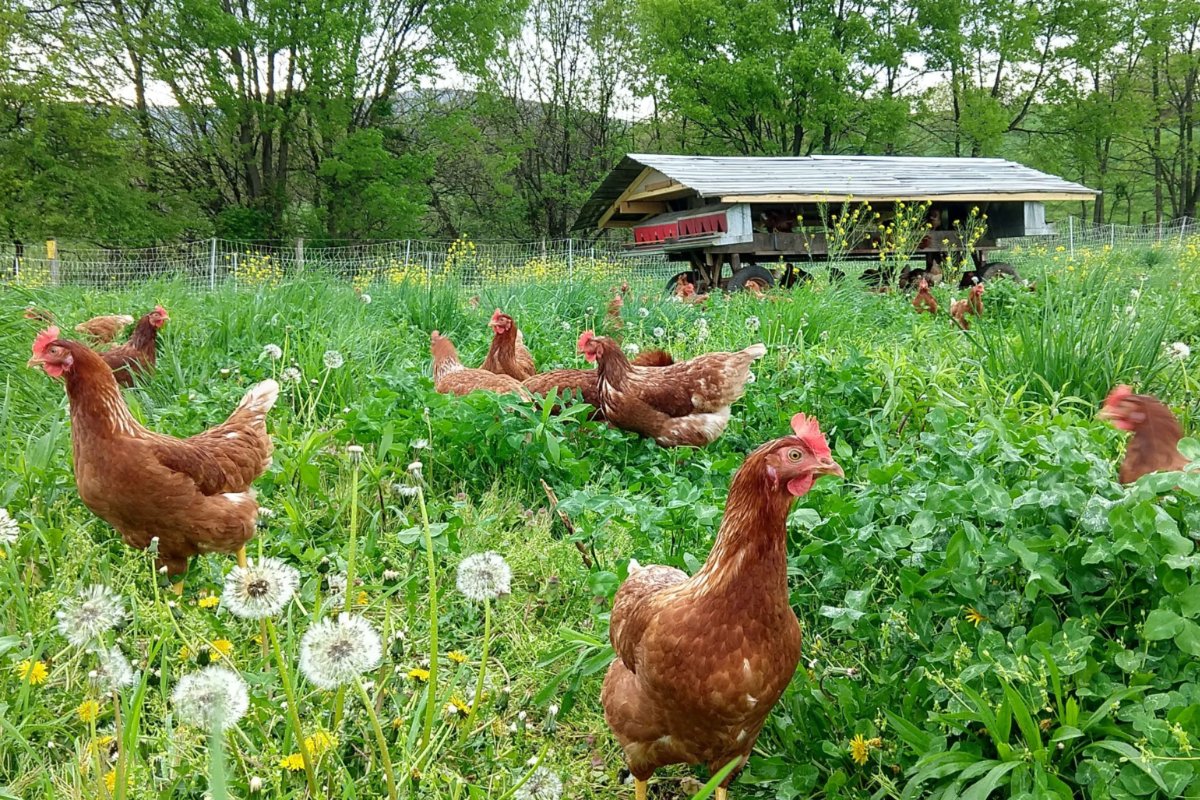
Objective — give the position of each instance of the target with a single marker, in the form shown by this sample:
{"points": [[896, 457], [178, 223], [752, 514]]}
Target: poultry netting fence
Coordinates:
{"points": [[212, 263]]}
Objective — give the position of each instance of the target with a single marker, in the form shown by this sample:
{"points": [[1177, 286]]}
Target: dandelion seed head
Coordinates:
{"points": [[659, 333], [566, 326], [1180, 351], [291, 375], [272, 351], [333, 359], [113, 671], [484, 576], [212, 698], [405, 490], [632, 349], [366, 298], [260, 590], [337, 586], [643, 312], [753, 324], [336, 651], [414, 469], [543, 784], [94, 611], [9, 530], [420, 444], [355, 451]]}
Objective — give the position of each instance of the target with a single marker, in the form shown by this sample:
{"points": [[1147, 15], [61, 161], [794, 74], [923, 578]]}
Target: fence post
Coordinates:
{"points": [[429, 268], [1182, 228], [300, 254], [1112, 235], [1071, 234], [570, 259], [212, 264], [52, 257], [235, 268], [407, 252]]}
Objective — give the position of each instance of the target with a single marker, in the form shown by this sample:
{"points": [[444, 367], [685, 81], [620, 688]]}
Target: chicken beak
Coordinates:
{"points": [[35, 362], [827, 466], [1106, 413]]}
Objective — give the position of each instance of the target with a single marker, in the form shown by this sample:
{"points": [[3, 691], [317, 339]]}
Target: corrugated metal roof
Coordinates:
{"points": [[832, 177]]}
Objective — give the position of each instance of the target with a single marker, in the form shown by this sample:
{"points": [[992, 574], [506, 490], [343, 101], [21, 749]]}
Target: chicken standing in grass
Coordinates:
{"points": [[924, 302], [958, 312], [684, 404], [103, 330], [138, 355], [975, 300], [451, 377], [508, 354], [192, 495], [583, 381], [1154, 446], [701, 660]]}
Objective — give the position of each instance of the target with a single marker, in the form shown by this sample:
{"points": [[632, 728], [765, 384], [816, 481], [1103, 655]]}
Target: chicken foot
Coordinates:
{"points": [[722, 793], [639, 789], [241, 556]]}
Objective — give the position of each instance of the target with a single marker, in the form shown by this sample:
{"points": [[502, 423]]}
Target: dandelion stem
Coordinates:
{"points": [[380, 739], [293, 712], [350, 558], [121, 749], [431, 701], [483, 660]]}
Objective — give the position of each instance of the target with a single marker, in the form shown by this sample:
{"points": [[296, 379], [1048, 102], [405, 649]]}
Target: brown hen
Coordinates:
{"points": [[451, 377], [684, 404], [193, 494], [583, 381], [138, 355], [103, 330], [508, 354], [1154, 446], [924, 302], [701, 660]]}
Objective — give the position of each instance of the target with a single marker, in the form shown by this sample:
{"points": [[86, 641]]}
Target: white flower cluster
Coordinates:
{"points": [[484, 576]]}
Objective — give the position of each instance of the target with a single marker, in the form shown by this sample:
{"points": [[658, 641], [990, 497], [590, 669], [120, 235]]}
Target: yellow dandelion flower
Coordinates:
{"points": [[210, 601], [110, 780], [418, 674], [184, 653], [33, 672], [221, 648], [320, 743], [88, 710], [361, 599], [457, 656], [860, 749], [398, 722], [292, 763], [457, 707], [974, 617]]}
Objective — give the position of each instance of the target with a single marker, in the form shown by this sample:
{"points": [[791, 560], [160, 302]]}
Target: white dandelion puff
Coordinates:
{"points": [[1134, 294], [366, 298], [260, 590], [659, 333], [590, 310], [701, 334], [335, 652], [750, 377], [355, 452], [113, 671], [337, 587], [566, 326], [543, 784], [414, 469], [9, 530], [484, 576], [1180, 351], [753, 324], [272, 351], [90, 614], [404, 490], [632, 349], [702, 322], [212, 698], [333, 359], [643, 312], [291, 375], [420, 444]]}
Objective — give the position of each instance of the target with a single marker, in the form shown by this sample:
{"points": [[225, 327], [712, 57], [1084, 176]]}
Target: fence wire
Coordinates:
{"points": [[214, 263]]}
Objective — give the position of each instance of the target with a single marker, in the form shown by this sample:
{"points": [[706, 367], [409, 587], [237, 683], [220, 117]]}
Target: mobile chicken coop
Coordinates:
{"points": [[757, 214]]}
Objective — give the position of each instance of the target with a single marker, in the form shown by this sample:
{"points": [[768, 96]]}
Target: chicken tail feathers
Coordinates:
{"points": [[260, 398], [756, 351]]}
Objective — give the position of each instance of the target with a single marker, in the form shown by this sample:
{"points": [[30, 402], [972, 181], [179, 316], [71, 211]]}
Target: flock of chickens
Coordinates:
{"points": [[700, 660]]}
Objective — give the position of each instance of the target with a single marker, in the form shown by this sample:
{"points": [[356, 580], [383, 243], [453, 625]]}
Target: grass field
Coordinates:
{"points": [[986, 612]]}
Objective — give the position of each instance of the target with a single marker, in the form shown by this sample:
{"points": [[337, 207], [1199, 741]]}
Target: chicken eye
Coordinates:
{"points": [[794, 455]]}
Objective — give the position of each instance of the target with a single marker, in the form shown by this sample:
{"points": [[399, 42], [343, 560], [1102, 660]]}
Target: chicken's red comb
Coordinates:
{"points": [[496, 315], [43, 340], [160, 310], [585, 338], [807, 429], [1119, 393]]}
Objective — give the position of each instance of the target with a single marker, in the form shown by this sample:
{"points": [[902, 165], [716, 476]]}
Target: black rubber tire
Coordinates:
{"points": [[998, 269], [674, 281], [748, 273]]}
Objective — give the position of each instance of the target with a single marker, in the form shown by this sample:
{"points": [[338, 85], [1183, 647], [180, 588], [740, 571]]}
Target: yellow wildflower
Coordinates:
{"points": [[210, 601], [110, 780], [974, 617], [33, 672], [320, 743], [361, 599], [457, 656], [398, 722], [293, 762], [88, 710], [184, 653], [457, 707], [221, 648], [860, 749], [418, 674]]}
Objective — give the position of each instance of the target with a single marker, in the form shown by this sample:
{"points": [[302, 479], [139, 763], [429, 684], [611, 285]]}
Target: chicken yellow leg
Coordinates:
{"points": [[241, 556], [177, 588], [639, 789], [722, 793]]}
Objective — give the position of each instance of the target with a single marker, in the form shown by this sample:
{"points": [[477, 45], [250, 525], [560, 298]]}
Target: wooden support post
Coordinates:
{"points": [[300, 254], [52, 257]]}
